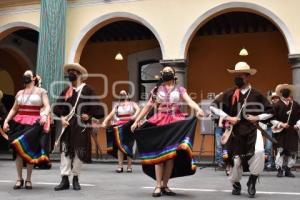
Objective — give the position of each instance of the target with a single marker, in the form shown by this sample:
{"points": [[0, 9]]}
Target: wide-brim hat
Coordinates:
{"points": [[1, 95], [274, 94], [77, 67], [242, 67], [280, 87]]}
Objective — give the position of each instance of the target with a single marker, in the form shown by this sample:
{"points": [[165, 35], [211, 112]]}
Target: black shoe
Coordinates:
{"points": [[280, 173], [64, 184], [28, 185], [119, 170], [167, 191], [157, 194], [236, 188], [19, 186], [76, 185], [288, 173], [251, 185]]}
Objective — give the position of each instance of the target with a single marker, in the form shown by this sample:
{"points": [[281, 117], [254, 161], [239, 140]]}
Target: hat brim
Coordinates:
{"points": [[248, 71], [77, 67], [285, 86]]}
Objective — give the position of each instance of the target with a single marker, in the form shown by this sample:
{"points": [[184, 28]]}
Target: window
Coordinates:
{"points": [[149, 74]]}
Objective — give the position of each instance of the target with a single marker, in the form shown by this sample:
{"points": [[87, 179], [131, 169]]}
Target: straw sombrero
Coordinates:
{"points": [[280, 87], [274, 94], [1, 95], [242, 67], [77, 67]]}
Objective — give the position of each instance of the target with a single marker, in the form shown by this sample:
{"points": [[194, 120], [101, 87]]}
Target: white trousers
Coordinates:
{"points": [[68, 166], [283, 160], [256, 162]]}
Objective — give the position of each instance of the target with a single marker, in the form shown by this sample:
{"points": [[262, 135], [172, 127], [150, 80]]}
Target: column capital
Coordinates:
{"points": [[294, 60], [182, 63]]}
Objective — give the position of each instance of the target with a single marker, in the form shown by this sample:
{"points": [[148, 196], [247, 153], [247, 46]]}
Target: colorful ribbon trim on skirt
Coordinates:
{"points": [[24, 151], [168, 153], [118, 132]]}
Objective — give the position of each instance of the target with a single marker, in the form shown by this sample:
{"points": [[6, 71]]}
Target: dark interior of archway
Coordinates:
{"points": [[236, 23], [98, 55], [28, 34], [122, 31], [11, 60], [124, 36], [215, 47]]}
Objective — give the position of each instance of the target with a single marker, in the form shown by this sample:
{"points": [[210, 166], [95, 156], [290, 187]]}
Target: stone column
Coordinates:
{"points": [[51, 48], [294, 60]]}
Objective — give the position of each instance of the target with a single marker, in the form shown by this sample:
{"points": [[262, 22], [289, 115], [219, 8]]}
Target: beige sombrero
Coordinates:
{"points": [[284, 86], [77, 67], [274, 94], [1, 95], [242, 67]]}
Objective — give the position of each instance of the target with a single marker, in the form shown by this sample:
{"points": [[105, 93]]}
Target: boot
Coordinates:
{"points": [[236, 188], [251, 185], [76, 185], [288, 173], [280, 172], [64, 184]]}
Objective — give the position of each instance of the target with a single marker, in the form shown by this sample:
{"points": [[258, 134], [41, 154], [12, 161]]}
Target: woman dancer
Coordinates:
{"points": [[119, 136], [165, 140], [25, 127]]}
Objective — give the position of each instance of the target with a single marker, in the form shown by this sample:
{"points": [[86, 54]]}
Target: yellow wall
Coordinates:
{"points": [[172, 19]]}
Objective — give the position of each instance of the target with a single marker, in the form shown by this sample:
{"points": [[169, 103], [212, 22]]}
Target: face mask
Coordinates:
{"points": [[123, 97], [167, 76], [72, 77], [26, 79], [285, 93], [239, 82]]}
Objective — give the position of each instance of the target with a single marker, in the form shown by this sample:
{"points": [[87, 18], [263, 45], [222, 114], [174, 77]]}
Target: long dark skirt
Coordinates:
{"points": [[26, 141], [157, 144], [120, 138]]}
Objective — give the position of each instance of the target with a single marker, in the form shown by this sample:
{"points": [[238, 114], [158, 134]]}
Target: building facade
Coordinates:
{"points": [[201, 38]]}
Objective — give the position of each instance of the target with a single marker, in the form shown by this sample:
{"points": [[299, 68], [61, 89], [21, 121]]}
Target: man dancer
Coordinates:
{"points": [[76, 107], [243, 106], [286, 124]]}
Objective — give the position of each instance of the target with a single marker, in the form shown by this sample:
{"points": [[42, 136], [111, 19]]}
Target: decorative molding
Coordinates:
{"points": [[81, 3], [174, 62], [12, 3], [19, 8], [294, 60]]}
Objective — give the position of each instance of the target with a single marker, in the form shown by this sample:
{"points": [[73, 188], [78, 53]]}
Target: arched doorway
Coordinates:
{"points": [[215, 47], [140, 51], [18, 52]]}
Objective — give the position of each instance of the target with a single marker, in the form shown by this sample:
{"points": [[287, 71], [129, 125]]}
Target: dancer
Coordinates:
{"points": [[119, 136], [243, 107], [76, 107], [165, 141], [25, 127], [286, 126]]}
